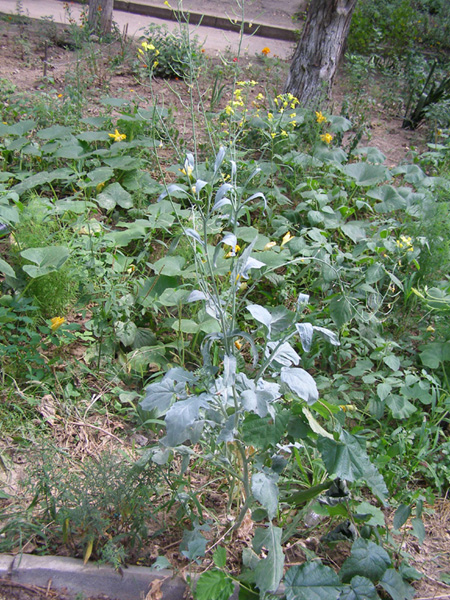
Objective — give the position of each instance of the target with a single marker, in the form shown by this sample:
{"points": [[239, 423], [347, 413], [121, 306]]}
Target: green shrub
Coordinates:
{"points": [[169, 55]]}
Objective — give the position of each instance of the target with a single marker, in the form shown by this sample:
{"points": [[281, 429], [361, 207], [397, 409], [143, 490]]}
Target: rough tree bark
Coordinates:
{"points": [[100, 16], [319, 50]]}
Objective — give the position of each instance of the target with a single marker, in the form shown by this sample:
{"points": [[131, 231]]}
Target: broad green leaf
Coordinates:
{"points": [[55, 132], [300, 383], [112, 195], [355, 230], [160, 563], [47, 260], [383, 390], [366, 174], [32, 181], [418, 529], [339, 124], [21, 127], [367, 559], [214, 585], [360, 588], [6, 269], [125, 332], [269, 571], [434, 354], [341, 310], [70, 151], [373, 155], [99, 176], [401, 515], [193, 544], [169, 265], [347, 460], [263, 432], [312, 581], [374, 273], [220, 557], [392, 361], [395, 586], [265, 491], [400, 406], [377, 515]]}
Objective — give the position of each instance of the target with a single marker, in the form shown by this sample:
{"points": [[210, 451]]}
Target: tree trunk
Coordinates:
{"points": [[319, 50], [100, 16]]}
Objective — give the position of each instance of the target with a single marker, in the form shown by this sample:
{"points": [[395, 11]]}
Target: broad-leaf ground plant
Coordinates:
{"points": [[262, 299]]}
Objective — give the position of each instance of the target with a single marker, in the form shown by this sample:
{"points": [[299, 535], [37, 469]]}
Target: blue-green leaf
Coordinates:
{"points": [[360, 588], [367, 559], [300, 383], [269, 571], [265, 490], [312, 581], [395, 586]]}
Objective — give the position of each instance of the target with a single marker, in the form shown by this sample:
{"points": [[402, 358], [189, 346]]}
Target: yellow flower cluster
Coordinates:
{"points": [[320, 118], [282, 101], [327, 138], [405, 242], [56, 323], [118, 137]]}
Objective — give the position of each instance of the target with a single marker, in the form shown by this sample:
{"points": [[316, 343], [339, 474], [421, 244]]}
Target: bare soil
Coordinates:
{"points": [[23, 49]]}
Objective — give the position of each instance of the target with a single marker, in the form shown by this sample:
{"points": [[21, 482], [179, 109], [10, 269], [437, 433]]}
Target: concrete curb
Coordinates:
{"points": [[71, 576], [218, 22]]}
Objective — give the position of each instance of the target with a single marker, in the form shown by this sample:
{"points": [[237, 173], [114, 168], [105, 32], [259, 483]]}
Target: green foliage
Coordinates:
{"points": [[106, 506], [170, 54], [263, 289]]}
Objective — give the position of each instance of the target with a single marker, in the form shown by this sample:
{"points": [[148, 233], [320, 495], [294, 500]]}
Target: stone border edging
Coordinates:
{"points": [[71, 576], [163, 12]]}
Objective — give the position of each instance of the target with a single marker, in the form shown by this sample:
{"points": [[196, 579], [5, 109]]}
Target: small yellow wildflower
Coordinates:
{"points": [[265, 51], [269, 116], [233, 251], [118, 137], [189, 171], [269, 245], [286, 238], [260, 97], [229, 110], [60, 95], [155, 64], [320, 118], [56, 323], [147, 47], [273, 134], [327, 138], [283, 133], [100, 186], [238, 344], [430, 328], [167, 4]]}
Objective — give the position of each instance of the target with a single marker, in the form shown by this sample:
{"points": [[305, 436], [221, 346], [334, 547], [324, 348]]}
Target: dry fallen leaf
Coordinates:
{"points": [[155, 592], [47, 408]]}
